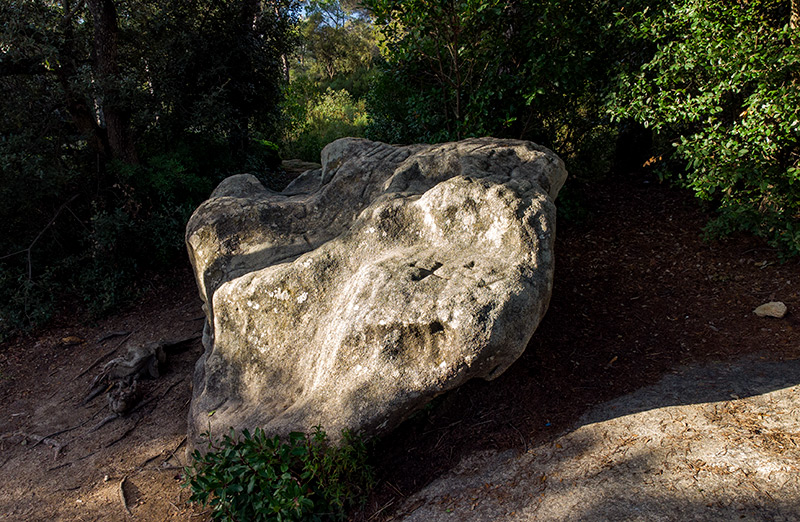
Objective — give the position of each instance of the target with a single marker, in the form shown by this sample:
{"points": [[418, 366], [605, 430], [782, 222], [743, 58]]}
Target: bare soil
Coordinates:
{"points": [[637, 294], [82, 471]]}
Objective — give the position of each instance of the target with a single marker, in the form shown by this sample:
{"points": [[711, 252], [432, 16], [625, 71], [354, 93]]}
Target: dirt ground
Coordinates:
{"points": [[712, 442], [81, 469], [637, 294]]}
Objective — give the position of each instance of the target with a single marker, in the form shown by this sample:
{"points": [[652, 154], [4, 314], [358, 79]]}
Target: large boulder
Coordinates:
{"points": [[371, 285]]}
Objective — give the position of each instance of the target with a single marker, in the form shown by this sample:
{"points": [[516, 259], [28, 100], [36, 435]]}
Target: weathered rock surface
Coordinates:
{"points": [[371, 285]]}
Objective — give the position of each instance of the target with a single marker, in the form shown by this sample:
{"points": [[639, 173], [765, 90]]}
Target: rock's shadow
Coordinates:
{"points": [[712, 442], [706, 383]]}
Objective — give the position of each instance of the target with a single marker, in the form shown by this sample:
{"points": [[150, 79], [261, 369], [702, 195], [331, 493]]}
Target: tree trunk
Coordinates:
{"points": [[239, 133], [82, 115], [794, 17], [285, 65], [117, 115], [284, 58]]}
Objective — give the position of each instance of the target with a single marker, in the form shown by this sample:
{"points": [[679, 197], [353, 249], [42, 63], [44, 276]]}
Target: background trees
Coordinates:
{"points": [[526, 69], [330, 75], [722, 90], [118, 116], [715, 80]]}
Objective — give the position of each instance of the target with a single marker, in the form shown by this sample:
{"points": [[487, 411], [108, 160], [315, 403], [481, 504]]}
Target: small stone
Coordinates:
{"points": [[773, 309]]}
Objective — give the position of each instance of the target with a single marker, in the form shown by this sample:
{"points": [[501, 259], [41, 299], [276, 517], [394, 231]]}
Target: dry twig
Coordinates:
{"points": [[521, 436], [381, 510], [176, 449]]}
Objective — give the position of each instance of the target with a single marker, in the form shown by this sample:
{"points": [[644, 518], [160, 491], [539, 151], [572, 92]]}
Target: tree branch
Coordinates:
{"points": [[69, 12], [38, 236], [25, 67]]}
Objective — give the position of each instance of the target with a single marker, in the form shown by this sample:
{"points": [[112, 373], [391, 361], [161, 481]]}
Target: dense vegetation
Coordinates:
{"points": [[722, 90], [257, 478], [119, 116], [713, 82], [329, 78]]}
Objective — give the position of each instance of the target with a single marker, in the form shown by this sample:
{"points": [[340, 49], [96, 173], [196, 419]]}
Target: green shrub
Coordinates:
{"points": [[333, 115], [721, 89], [258, 478]]}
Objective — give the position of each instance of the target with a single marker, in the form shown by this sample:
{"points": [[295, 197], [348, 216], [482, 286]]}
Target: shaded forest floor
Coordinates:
{"points": [[637, 295]]}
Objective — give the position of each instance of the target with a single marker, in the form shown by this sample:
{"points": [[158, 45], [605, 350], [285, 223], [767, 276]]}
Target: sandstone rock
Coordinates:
{"points": [[297, 166], [371, 285], [774, 309]]}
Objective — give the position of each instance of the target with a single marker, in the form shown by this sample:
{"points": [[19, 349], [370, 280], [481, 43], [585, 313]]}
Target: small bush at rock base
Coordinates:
{"points": [[257, 478]]}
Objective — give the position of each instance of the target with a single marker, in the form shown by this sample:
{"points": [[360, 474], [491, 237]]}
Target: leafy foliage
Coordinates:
{"points": [[330, 76], [325, 118], [716, 79], [336, 41], [254, 477], [524, 69], [722, 89]]}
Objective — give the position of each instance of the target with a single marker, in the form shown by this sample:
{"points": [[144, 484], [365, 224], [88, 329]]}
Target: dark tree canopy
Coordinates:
{"points": [[118, 116], [715, 81]]}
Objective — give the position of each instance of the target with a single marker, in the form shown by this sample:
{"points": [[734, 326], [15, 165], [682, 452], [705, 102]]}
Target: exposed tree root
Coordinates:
{"points": [[57, 447], [122, 496]]}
